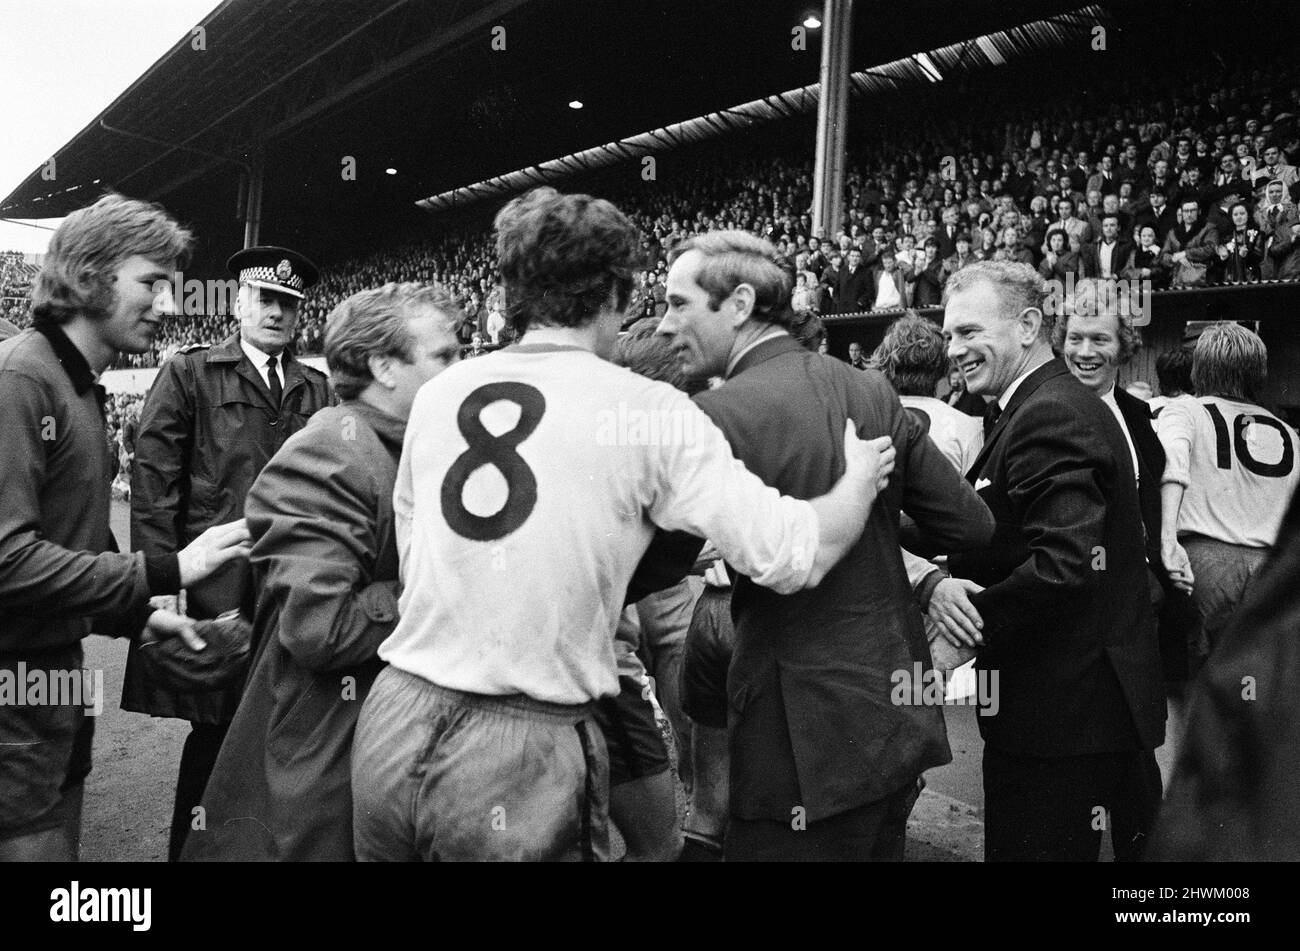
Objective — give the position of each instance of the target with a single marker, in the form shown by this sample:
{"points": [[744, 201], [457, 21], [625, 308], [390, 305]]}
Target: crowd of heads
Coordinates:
{"points": [[1190, 175]]}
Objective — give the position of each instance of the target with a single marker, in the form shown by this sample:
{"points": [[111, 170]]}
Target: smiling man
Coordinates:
{"points": [[212, 420], [1067, 616], [823, 763], [61, 575]]}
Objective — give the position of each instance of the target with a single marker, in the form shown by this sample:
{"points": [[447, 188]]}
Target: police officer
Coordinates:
{"points": [[213, 418]]}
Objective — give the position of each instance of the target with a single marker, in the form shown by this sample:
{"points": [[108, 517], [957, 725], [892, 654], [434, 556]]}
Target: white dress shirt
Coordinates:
{"points": [[259, 359]]}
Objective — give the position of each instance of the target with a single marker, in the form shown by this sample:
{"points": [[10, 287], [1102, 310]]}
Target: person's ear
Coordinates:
{"points": [[1031, 322], [742, 302], [381, 369]]}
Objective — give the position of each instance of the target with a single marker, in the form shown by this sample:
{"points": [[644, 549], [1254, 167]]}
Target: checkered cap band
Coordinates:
{"points": [[268, 275]]}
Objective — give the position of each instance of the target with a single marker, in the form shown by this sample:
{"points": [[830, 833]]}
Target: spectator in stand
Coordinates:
{"points": [[892, 291], [1274, 169], [1013, 249], [1059, 261], [830, 279], [1158, 214], [1275, 211], [1105, 181], [1075, 228], [1195, 188], [1283, 254], [1080, 172], [1108, 256], [948, 232], [988, 245], [1242, 254], [853, 286], [856, 359], [960, 258], [1144, 261], [1189, 248], [928, 287], [802, 298]]}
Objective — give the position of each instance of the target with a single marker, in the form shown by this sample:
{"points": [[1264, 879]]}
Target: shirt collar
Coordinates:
{"points": [[763, 338], [72, 359], [1005, 398], [255, 356]]}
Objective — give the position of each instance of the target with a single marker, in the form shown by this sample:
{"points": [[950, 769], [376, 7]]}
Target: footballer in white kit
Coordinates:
{"points": [[530, 485]]}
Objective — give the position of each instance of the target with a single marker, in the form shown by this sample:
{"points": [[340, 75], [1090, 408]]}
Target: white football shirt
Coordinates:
{"points": [[530, 485], [1237, 464]]}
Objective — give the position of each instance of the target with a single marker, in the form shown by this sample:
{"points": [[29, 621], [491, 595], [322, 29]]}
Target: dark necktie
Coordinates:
{"points": [[273, 381], [991, 414]]}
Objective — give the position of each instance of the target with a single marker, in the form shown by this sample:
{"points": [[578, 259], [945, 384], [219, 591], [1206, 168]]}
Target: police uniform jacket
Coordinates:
{"points": [[207, 429]]}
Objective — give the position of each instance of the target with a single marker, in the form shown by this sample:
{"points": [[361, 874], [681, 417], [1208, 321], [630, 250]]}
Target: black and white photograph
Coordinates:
{"points": [[651, 431]]}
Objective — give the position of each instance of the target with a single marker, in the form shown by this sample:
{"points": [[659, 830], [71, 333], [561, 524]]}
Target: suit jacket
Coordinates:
{"points": [[1176, 614], [1162, 222], [1066, 606], [1090, 258], [853, 290], [1151, 466], [811, 719], [947, 243]]}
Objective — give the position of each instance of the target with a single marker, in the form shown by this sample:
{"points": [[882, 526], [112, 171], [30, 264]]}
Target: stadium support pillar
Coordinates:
{"points": [[253, 199], [832, 117]]}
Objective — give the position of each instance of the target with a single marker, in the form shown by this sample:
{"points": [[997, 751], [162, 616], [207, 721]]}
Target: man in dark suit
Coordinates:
{"points": [[946, 234], [1095, 338], [854, 286], [1108, 255], [825, 762], [1067, 619], [1159, 214]]}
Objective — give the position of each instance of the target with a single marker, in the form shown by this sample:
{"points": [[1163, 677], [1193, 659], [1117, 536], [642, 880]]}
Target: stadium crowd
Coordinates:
{"points": [[1184, 181]]}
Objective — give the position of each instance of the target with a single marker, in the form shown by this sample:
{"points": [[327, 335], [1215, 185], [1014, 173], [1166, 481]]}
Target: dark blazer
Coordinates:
{"points": [[1176, 615], [947, 242], [1066, 606], [854, 290], [1090, 258], [1151, 466], [809, 692]]}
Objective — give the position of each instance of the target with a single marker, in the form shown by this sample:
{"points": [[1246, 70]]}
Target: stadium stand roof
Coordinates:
{"points": [[937, 65], [415, 85]]}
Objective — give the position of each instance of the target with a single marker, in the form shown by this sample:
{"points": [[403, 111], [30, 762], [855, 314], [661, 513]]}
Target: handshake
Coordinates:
{"points": [[953, 626], [201, 558]]}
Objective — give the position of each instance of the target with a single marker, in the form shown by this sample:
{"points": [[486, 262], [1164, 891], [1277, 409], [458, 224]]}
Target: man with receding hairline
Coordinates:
{"points": [[823, 765], [1067, 620]]}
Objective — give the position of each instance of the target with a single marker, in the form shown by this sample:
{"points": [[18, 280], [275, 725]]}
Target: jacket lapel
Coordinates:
{"points": [[1047, 371]]}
